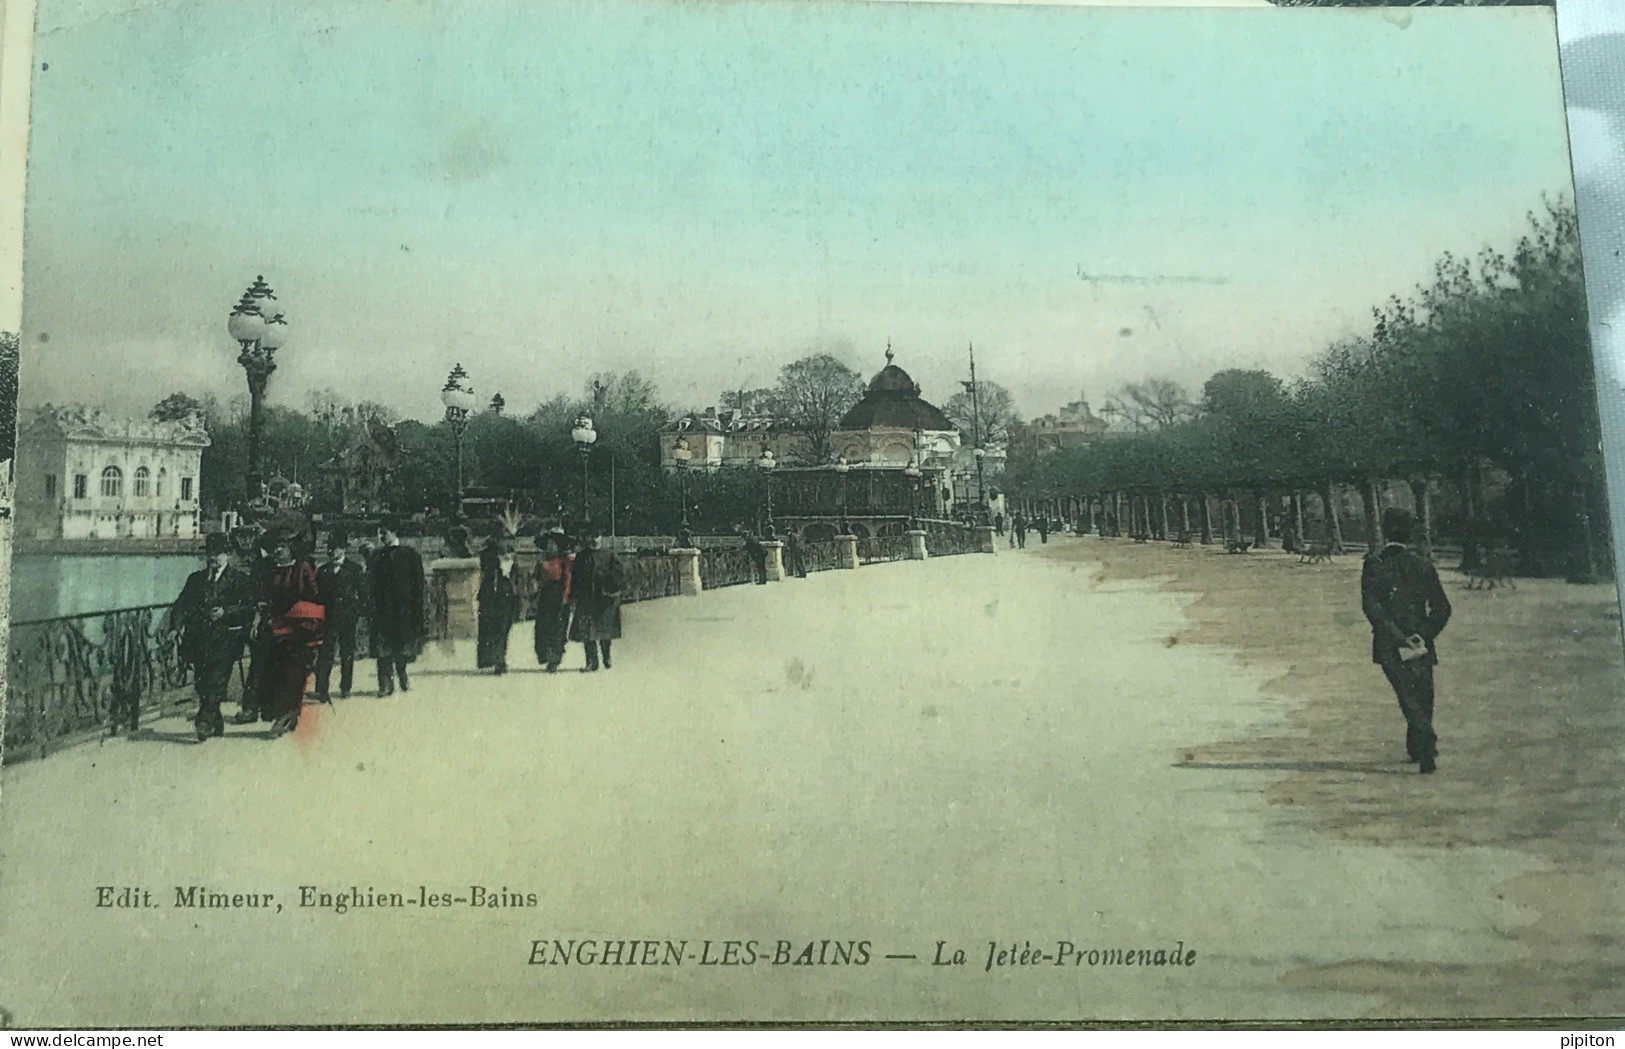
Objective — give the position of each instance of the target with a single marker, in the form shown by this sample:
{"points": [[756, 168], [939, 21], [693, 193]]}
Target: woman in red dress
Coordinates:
{"points": [[296, 620]]}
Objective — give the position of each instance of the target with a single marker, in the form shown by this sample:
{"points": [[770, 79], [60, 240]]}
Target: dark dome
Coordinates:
{"points": [[893, 400]]}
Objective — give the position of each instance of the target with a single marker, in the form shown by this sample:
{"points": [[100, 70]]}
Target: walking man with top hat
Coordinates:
{"points": [[397, 620], [341, 583], [213, 613]]}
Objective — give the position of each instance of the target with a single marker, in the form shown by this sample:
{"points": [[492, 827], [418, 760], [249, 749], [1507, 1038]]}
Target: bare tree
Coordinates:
{"points": [[1155, 404], [998, 415], [813, 393]]}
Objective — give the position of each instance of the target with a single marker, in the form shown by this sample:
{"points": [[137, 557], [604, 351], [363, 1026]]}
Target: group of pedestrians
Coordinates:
{"points": [[267, 613], [577, 586], [267, 602]]}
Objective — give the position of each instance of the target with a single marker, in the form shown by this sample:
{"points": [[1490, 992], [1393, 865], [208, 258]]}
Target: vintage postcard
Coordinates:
{"points": [[549, 511]]}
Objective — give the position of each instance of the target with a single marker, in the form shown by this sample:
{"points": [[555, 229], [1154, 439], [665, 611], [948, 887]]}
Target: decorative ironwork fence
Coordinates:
{"points": [[944, 539], [821, 556], [74, 674], [651, 576], [725, 566], [883, 548]]}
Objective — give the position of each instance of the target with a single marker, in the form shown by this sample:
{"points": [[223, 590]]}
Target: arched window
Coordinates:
{"points": [[159, 489], [112, 482], [143, 482]]}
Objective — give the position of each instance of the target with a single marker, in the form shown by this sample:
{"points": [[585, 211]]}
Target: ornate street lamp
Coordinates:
{"points": [[259, 328], [458, 397], [682, 455], [767, 463], [584, 435]]}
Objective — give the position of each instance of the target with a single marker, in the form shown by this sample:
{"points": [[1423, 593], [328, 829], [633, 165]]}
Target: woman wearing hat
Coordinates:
{"points": [[498, 605], [552, 600], [296, 617]]}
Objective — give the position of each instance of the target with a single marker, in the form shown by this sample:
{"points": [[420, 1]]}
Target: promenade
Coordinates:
{"points": [[963, 750]]}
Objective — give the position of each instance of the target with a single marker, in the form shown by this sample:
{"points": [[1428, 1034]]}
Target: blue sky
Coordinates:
{"points": [[704, 191]]}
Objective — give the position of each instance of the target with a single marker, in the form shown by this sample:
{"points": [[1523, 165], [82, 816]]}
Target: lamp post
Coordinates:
{"points": [[458, 397], [682, 455], [981, 496], [842, 468], [584, 435], [259, 328], [767, 463], [912, 472]]}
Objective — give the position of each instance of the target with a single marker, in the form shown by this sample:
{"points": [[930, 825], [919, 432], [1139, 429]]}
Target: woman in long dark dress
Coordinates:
{"points": [[553, 577], [596, 581], [498, 606], [296, 618]]}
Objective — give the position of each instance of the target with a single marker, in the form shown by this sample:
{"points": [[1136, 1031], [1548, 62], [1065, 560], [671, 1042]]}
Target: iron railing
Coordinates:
{"points": [[944, 539], [821, 556], [650, 577], [883, 548], [725, 566], [74, 674]]}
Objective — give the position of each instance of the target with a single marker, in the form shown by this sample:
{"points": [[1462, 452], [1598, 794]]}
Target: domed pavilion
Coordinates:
{"points": [[894, 450]]}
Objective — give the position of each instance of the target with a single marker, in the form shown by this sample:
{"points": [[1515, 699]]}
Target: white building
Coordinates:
{"points": [[82, 474]]}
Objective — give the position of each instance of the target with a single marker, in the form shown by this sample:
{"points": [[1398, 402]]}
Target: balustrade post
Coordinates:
{"points": [[847, 545], [984, 540], [916, 544], [459, 580], [688, 571], [775, 560]]}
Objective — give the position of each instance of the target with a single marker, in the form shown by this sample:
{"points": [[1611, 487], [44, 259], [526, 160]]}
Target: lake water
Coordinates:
{"points": [[48, 585]]}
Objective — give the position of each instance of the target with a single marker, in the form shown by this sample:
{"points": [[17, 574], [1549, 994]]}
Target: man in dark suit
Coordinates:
{"points": [[213, 613], [341, 583], [1402, 597], [397, 618]]}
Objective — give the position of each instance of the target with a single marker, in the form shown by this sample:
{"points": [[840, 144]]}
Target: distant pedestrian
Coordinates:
{"points": [[757, 554], [296, 617], [795, 558], [597, 580], [1019, 529], [1043, 528], [1406, 605], [341, 582], [213, 613], [998, 523], [397, 614], [552, 601], [498, 600]]}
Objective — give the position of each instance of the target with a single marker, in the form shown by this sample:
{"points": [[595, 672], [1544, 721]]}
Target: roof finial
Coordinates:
{"points": [[889, 353]]}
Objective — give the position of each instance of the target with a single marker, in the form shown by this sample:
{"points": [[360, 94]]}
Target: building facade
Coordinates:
{"points": [[728, 437], [83, 474]]}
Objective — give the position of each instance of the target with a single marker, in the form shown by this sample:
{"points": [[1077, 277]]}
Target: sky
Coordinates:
{"points": [[704, 191]]}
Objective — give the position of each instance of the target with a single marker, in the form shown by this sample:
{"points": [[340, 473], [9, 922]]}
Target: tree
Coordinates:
{"points": [[995, 407], [761, 401], [175, 408], [1155, 404], [813, 393]]}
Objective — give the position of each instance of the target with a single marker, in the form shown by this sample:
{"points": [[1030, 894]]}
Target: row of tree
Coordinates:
{"points": [[1480, 382]]}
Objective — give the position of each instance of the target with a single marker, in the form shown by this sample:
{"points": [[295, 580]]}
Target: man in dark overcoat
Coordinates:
{"points": [[1406, 605], [398, 628], [341, 583], [213, 613]]}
